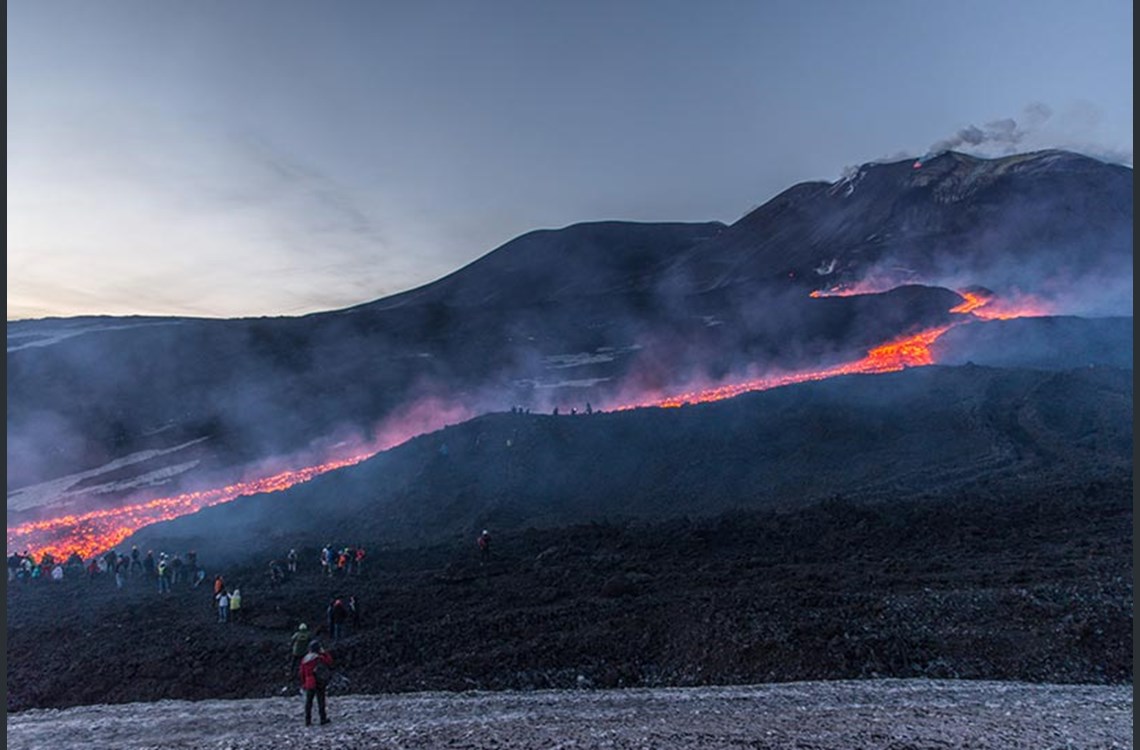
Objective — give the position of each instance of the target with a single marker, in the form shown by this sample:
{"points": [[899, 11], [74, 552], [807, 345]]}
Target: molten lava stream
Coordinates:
{"points": [[909, 351], [101, 530], [98, 531]]}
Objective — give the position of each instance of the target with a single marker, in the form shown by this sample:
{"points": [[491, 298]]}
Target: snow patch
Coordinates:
{"points": [[44, 335], [58, 490]]}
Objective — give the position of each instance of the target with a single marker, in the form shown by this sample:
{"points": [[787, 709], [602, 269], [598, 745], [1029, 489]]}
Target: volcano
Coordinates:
{"points": [[880, 427], [825, 279]]}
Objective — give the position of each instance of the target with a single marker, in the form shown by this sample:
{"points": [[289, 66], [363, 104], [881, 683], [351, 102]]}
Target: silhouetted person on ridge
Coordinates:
{"points": [[354, 612], [337, 615], [483, 541]]}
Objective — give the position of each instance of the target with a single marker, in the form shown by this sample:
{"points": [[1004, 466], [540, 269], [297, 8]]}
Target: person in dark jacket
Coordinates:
{"points": [[354, 612], [483, 542], [311, 685], [337, 616]]}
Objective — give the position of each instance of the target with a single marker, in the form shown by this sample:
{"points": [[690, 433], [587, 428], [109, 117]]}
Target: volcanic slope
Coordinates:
{"points": [[941, 522], [924, 431], [559, 317]]}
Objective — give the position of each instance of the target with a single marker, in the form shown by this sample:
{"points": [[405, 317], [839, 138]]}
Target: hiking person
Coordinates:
{"points": [[299, 646], [136, 560], [163, 575], [235, 605], [121, 566], [354, 612], [291, 560], [276, 573], [13, 565], [219, 584], [337, 614], [223, 601], [175, 569], [149, 563], [359, 559], [484, 543], [314, 681]]}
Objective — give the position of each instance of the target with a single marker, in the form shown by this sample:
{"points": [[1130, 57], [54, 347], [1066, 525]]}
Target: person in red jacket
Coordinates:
{"points": [[316, 662]]}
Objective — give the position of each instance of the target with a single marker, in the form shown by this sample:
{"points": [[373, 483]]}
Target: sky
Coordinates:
{"points": [[281, 157]]}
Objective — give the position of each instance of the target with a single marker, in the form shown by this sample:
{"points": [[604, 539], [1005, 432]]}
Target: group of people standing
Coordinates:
{"points": [[343, 615], [168, 571], [228, 602], [23, 567], [344, 561]]}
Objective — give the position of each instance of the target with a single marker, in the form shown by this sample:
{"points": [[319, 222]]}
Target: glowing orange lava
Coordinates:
{"points": [[909, 351], [100, 530], [97, 531]]}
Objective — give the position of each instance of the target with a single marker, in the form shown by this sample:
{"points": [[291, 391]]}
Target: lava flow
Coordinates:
{"points": [[908, 351], [97, 531], [91, 533]]}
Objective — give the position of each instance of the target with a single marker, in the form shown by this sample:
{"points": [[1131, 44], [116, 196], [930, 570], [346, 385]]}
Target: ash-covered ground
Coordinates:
{"points": [[820, 715]]}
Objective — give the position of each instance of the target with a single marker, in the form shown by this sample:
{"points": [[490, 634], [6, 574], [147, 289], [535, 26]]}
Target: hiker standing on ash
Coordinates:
{"points": [[315, 671]]}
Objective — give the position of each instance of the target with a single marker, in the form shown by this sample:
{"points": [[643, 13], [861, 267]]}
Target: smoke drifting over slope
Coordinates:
{"points": [[610, 314]]}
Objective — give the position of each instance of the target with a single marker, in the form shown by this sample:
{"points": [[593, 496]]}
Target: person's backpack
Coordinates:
{"points": [[322, 672]]}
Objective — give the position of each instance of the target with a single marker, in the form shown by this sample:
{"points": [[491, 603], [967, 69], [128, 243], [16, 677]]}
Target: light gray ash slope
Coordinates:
{"points": [[819, 715]]}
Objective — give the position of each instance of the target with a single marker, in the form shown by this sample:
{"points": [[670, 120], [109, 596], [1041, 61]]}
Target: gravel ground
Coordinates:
{"points": [[894, 714]]}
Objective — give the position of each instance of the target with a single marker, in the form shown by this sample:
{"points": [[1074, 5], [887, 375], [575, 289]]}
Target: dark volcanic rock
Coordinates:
{"points": [[1032, 585], [924, 430]]}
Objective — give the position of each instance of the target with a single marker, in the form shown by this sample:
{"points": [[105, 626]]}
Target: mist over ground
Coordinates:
{"points": [[104, 412]]}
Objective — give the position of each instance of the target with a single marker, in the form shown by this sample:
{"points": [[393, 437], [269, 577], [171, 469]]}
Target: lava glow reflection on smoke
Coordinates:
{"points": [[908, 351], [97, 531]]}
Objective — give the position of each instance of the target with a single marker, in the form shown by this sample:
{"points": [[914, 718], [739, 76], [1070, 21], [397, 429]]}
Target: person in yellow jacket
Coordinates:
{"points": [[235, 605]]}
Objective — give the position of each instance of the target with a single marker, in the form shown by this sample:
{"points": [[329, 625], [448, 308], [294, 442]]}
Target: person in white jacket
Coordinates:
{"points": [[223, 606]]}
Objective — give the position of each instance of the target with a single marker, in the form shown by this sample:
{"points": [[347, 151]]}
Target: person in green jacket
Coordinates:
{"points": [[300, 644], [235, 606]]}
